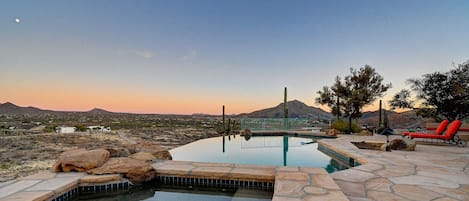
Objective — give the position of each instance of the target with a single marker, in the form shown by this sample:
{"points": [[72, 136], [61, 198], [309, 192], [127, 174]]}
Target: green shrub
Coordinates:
{"points": [[342, 126], [81, 128], [48, 129]]}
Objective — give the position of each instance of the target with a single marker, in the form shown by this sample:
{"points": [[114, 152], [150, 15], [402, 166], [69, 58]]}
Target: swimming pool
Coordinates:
{"points": [[262, 150], [178, 193]]}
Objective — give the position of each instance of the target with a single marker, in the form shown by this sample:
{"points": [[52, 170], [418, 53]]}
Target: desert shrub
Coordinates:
{"points": [[81, 128], [48, 129], [342, 126]]}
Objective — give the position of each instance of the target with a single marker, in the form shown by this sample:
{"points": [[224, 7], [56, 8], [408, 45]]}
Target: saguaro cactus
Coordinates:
{"points": [[223, 118], [285, 106]]}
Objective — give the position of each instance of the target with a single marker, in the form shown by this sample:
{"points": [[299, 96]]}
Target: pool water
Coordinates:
{"points": [[261, 150], [182, 193]]}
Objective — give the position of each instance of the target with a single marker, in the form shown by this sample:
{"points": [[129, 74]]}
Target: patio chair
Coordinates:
{"points": [[449, 136], [439, 130]]}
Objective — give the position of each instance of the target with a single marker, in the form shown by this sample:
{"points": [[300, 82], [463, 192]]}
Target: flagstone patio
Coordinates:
{"points": [[431, 172]]}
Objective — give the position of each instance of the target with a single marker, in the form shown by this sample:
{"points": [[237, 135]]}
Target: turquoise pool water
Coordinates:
{"points": [[262, 150]]}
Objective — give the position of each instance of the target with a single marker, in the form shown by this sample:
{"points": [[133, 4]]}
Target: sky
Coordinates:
{"points": [[184, 57]]}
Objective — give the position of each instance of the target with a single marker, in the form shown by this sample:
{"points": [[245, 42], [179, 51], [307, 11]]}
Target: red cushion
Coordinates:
{"points": [[441, 127], [452, 129], [425, 135], [450, 132], [438, 130]]}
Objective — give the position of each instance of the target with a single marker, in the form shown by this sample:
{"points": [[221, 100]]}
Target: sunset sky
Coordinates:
{"points": [[186, 57]]}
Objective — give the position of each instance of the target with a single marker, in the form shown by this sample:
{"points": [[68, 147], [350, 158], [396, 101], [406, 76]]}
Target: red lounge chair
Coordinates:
{"points": [[449, 136], [438, 130]]}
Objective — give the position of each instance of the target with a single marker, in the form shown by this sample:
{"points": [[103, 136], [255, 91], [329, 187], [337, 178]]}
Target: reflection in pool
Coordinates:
{"points": [[262, 150], [182, 193]]}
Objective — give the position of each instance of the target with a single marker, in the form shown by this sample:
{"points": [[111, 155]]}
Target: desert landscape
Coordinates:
{"points": [[28, 154], [30, 144]]}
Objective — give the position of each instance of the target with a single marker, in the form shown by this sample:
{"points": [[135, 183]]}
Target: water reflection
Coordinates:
{"points": [[263, 150], [285, 150]]}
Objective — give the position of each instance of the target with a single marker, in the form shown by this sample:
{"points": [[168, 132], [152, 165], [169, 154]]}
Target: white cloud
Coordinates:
{"points": [[144, 53], [191, 55]]}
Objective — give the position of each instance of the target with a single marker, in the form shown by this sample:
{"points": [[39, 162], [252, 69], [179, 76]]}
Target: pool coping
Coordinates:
{"points": [[288, 183]]}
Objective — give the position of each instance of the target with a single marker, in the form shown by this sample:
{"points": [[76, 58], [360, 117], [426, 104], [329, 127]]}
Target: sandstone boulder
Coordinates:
{"points": [[332, 132], [365, 133], [143, 156], [136, 171], [117, 151], [163, 155], [145, 146], [402, 144], [80, 160], [156, 150]]}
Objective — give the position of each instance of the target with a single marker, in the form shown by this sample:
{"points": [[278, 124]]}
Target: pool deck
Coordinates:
{"points": [[429, 173], [291, 183]]}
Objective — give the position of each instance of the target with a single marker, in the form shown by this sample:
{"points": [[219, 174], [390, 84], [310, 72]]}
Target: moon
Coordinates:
{"points": [[17, 20]]}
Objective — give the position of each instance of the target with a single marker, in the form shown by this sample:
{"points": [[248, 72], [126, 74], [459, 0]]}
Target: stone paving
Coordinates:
{"points": [[290, 183], [48, 185], [431, 172]]}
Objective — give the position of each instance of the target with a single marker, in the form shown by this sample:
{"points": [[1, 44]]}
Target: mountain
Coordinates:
{"points": [[407, 119], [99, 111], [296, 109], [10, 108]]}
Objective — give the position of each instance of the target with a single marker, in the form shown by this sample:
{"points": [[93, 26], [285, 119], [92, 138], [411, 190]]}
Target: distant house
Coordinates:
{"points": [[65, 129], [99, 129]]}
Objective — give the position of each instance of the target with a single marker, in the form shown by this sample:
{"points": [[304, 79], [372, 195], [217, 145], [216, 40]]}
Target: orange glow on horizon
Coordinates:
{"points": [[65, 95]]}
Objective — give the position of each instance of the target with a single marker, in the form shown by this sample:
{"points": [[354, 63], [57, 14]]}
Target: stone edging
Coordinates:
{"points": [[291, 183]]}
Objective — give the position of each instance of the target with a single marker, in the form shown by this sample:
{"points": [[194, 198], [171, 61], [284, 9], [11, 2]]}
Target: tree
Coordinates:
{"points": [[402, 100], [444, 95], [349, 96]]}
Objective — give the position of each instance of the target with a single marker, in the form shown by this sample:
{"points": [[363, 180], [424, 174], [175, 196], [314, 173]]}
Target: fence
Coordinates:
{"points": [[274, 123]]}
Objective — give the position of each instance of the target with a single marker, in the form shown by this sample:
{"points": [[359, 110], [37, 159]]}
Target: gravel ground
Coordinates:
{"points": [[25, 155]]}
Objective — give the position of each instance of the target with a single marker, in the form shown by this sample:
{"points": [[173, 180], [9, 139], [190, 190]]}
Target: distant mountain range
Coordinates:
{"points": [[12, 109], [296, 109]]}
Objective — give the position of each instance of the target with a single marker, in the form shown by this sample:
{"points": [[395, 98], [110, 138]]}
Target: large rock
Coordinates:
{"points": [[135, 170], [117, 151], [145, 146], [332, 132], [163, 155], [143, 156], [402, 144], [156, 150], [365, 133], [80, 160]]}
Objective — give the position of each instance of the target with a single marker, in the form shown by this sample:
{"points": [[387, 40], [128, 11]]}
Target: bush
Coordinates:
{"points": [[81, 128], [342, 126], [49, 129]]}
